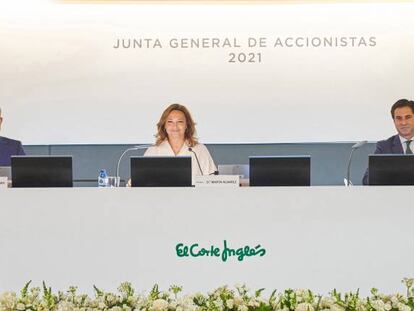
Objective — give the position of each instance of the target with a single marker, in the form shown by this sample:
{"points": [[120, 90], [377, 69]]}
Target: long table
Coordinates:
{"points": [[317, 237]]}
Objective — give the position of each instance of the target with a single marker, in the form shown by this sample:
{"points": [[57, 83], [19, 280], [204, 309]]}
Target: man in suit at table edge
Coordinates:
{"points": [[8, 147], [402, 113]]}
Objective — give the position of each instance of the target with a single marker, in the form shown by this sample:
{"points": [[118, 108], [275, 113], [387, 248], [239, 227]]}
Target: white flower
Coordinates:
{"points": [[65, 306], [378, 305], [302, 295], [299, 291], [219, 304], [230, 303], [388, 306], [403, 307], [159, 305], [21, 306], [326, 302], [238, 301], [253, 303], [335, 307], [132, 300], [394, 300], [8, 301], [173, 305], [110, 298], [243, 308], [116, 308], [304, 307], [186, 304]]}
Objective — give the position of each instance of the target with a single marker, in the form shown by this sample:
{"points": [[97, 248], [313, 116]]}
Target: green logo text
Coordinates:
{"points": [[195, 250]]}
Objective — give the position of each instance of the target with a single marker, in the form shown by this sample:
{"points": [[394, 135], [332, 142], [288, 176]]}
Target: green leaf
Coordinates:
{"points": [[259, 292], [98, 292], [154, 292], [25, 289]]}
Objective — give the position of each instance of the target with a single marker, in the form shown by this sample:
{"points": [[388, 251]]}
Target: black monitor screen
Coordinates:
{"points": [[391, 169], [41, 171], [280, 171], [161, 172]]}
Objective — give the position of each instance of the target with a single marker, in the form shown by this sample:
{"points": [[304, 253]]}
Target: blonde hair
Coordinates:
{"points": [[190, 131]]}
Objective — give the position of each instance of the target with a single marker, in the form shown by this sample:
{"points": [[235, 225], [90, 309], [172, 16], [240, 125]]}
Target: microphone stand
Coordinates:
{"points": [[198, 162], [348, 170]]}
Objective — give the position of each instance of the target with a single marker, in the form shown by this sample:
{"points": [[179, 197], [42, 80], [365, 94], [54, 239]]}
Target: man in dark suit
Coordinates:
{"points": [[8, 148], [402, 113]]}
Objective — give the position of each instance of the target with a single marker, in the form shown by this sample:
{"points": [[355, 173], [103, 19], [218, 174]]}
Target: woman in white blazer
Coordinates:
{"points": [[176, 136]]}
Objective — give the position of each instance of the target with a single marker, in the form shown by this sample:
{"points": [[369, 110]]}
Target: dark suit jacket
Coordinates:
{"points": [[8, 148], [391, 145]]}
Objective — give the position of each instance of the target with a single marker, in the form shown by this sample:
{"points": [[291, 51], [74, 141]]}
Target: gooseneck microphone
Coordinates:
{"points": [[348, 170], [359, 144], [127, 150], [198, 162]]}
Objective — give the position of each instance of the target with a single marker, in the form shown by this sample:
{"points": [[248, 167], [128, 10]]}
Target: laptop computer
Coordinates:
{"points": [[161, 172], [391, 169], [41, 171], [280, 171]]}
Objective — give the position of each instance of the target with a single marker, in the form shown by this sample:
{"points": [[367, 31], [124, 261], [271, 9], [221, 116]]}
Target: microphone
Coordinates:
{"points": [[348, 170], [359, 144], [198, 162], [122, 155]]}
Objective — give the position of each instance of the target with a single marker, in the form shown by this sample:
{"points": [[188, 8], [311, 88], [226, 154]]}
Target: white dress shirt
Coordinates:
{"points": [[206, 161]]}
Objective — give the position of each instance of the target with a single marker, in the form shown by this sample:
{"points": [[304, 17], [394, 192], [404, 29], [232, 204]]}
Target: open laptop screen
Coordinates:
{"points": [[391, 169], [41, 171], [161, 172], [280, 171]]}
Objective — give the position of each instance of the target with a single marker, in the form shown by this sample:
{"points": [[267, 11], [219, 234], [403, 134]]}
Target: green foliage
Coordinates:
{"points": [[48, 296], [25, 290], [98, 292], [155, 292]]}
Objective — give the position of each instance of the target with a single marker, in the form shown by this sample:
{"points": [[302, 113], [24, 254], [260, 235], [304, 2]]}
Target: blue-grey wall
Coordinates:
{"points": [[328, 159]]}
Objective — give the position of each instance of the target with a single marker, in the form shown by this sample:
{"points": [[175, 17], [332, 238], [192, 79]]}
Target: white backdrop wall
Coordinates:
{"points": [[63, 81]]}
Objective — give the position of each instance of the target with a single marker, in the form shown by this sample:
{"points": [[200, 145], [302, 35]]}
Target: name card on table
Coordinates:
{"points": [[217, 181], [3, 182]]}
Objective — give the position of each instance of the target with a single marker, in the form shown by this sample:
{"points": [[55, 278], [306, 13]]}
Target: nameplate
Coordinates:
{"points": [[3, 182], [217, 181]]}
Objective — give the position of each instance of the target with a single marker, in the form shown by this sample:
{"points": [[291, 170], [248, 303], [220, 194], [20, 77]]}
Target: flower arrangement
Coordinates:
{"points": [[220, 299]]}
